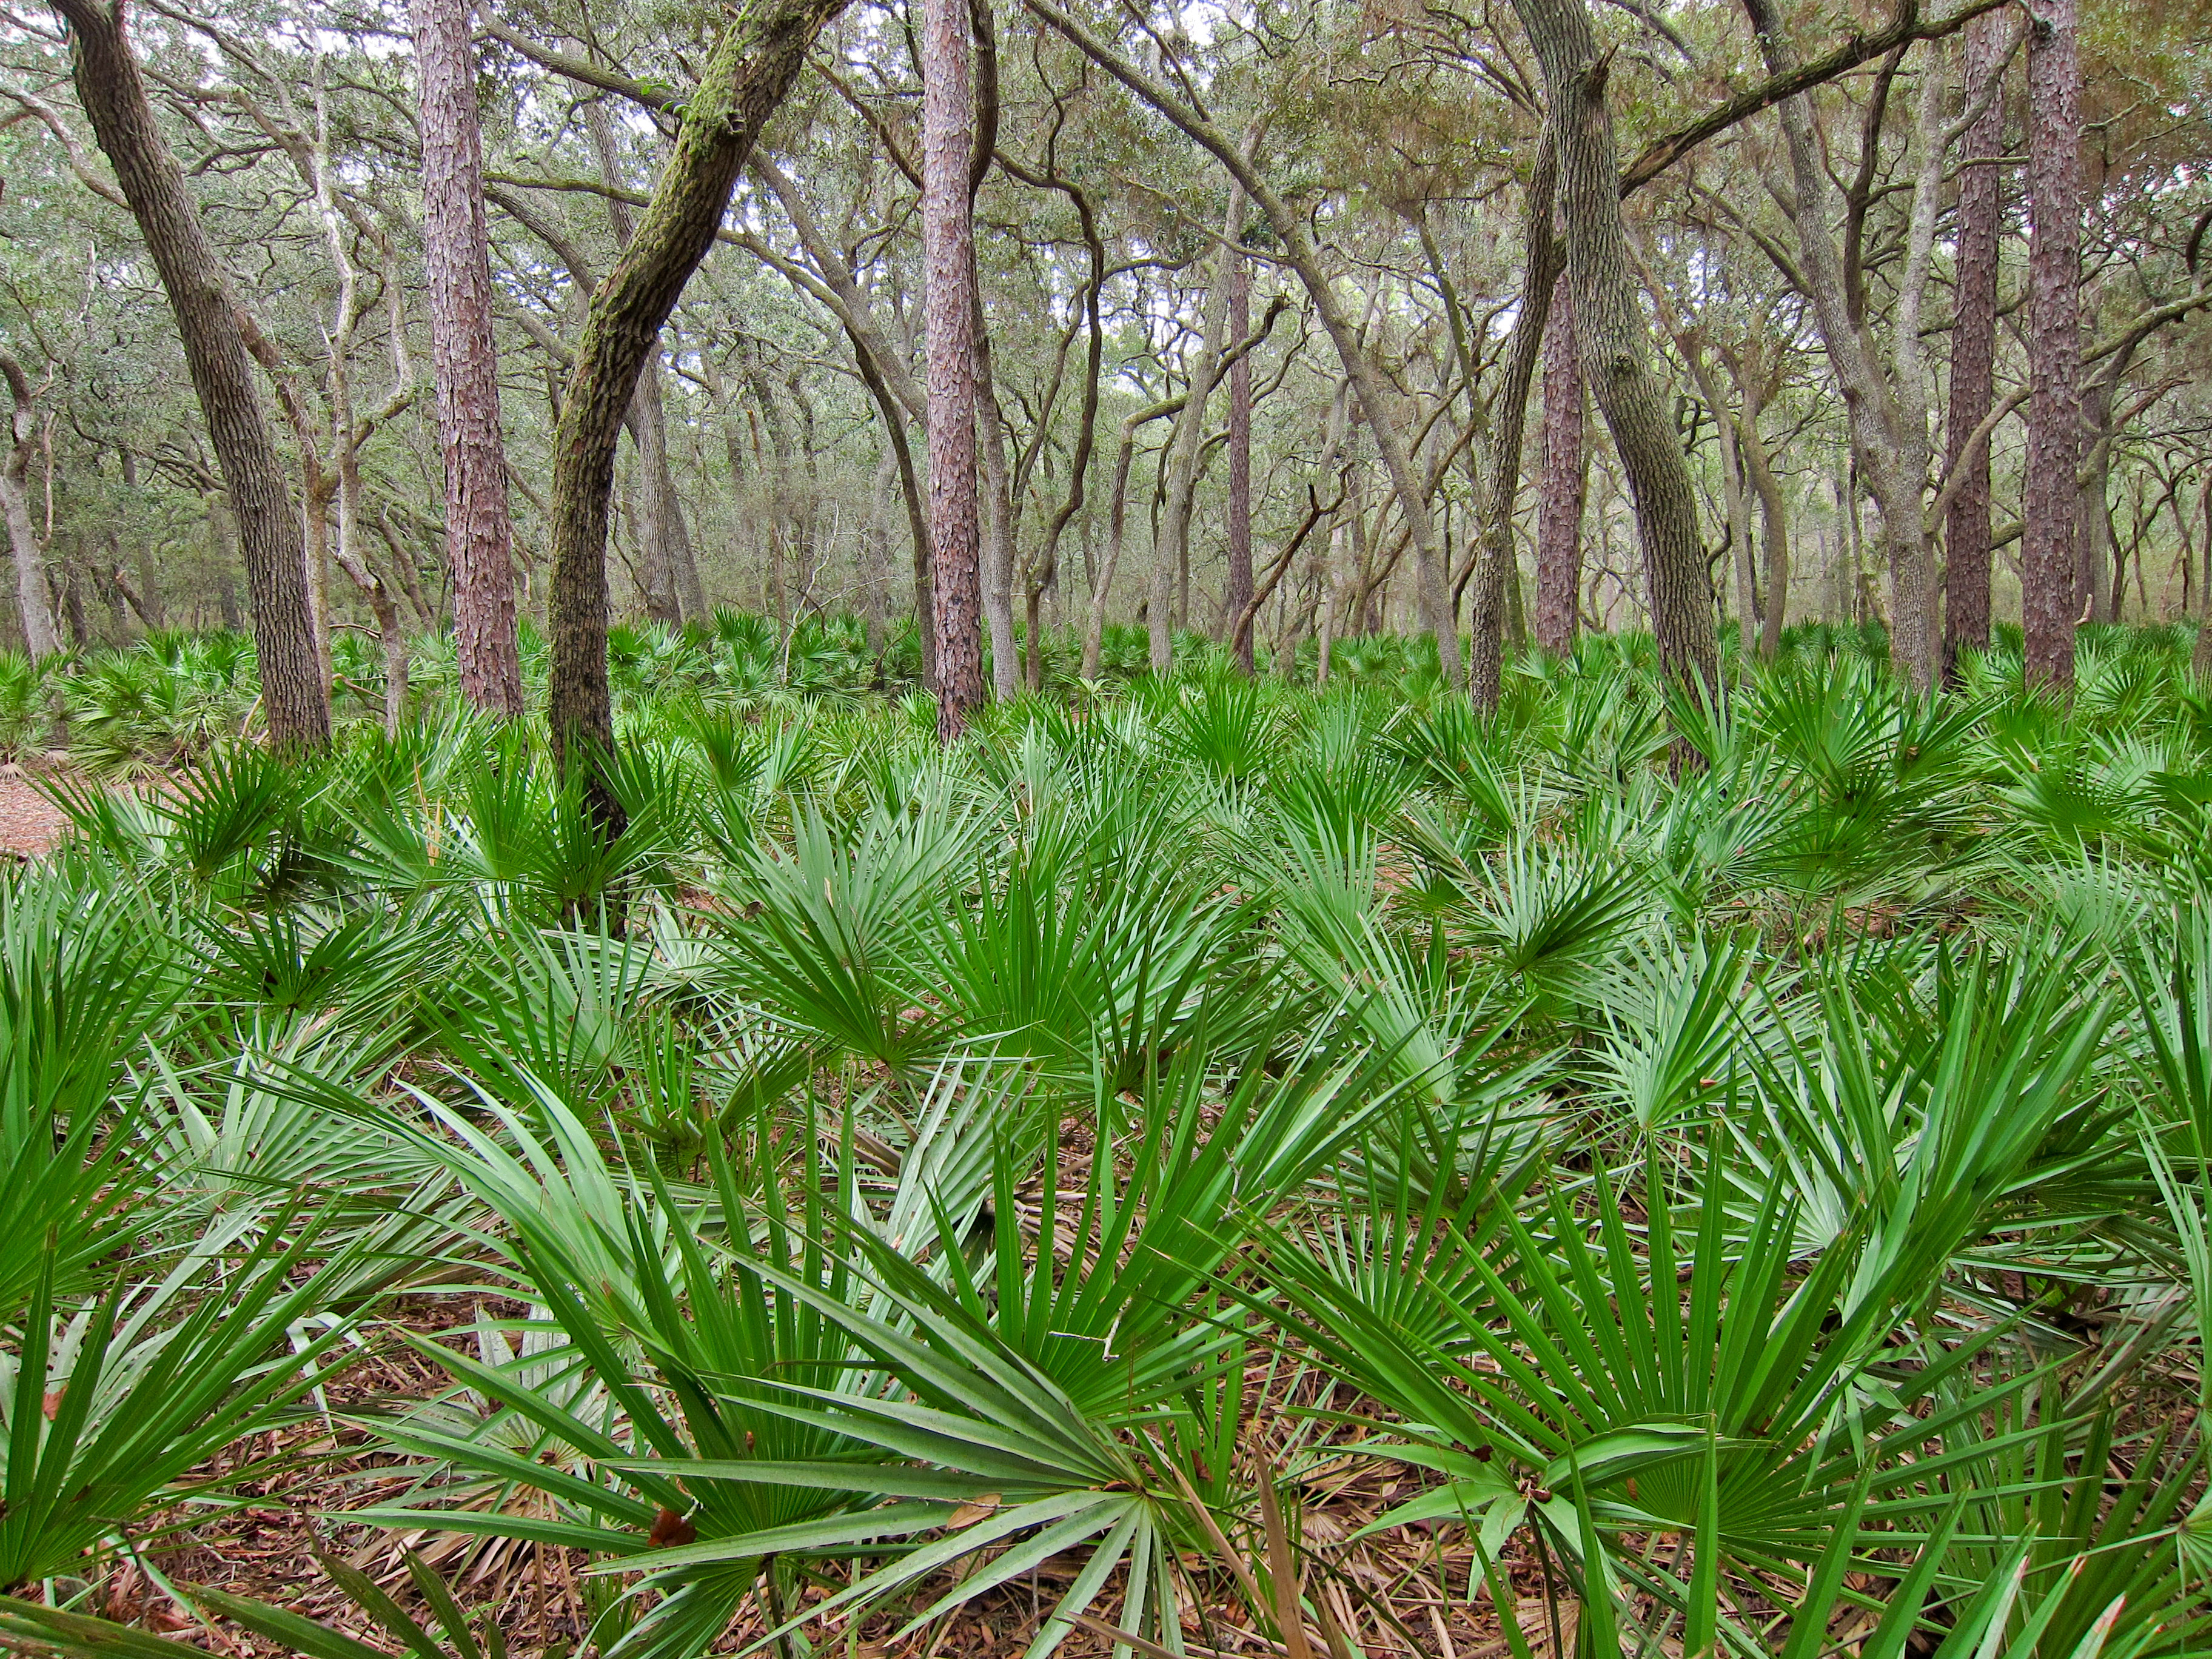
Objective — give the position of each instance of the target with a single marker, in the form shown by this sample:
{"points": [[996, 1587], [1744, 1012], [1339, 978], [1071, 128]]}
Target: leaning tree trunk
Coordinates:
{"points": [[1560, 496], [114, 94], [948, 240], [464, 362], [1240, 465], [668, 566], [2049, 492], [754, 63], [1973, 358], [1615, 347]]}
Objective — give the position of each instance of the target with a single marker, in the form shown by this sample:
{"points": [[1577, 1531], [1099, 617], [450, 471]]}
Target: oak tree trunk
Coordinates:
{"points": [[41, 639], [1614, 341], [114, 94], [754, 63], [1240, 465], [1545, 257]]}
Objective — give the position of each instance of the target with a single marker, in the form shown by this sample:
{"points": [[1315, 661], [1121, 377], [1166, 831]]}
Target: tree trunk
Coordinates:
{"points": [[2049, 497], [41, 639], [998, 555], [949, 348], [660, 526], [1559, 496], [114, 94], [753, 65], [1615, 346], [1774, 518], [1117, 527], [457, 263], [1973, 358], [1544, 257], [1171, 551], [663, 538], [1889, 446], [2097, 584], [1240, 465]]}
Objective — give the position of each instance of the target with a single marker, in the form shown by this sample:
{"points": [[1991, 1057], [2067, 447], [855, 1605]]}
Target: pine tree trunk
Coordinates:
{"points": [[114, 94], [1240, 463], [1559, 496], [2049, 493], [1973, 358], [949, 348], [464, 362], [754, 63], [1615, 347]]}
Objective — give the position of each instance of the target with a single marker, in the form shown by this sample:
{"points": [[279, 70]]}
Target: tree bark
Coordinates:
{"points": [[1973, 360], [2097, 592], [1774, 519], [1544, 258], [672, 589], [41, 639], [1559, 496], [1239, 597], [754, 63], [949, 350], [113, 93], [2049, 492], [1614, 342], [464, 362]]}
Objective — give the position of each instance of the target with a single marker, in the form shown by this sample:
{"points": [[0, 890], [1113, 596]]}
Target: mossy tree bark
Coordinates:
{"points": [[751, 70]]}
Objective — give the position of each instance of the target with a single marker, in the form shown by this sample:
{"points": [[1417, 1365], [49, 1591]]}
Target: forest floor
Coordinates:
{"points": [[30, 824]]}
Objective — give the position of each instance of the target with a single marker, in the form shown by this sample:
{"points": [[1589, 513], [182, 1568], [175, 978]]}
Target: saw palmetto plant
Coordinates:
{"points": [[1206, 1167]]}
